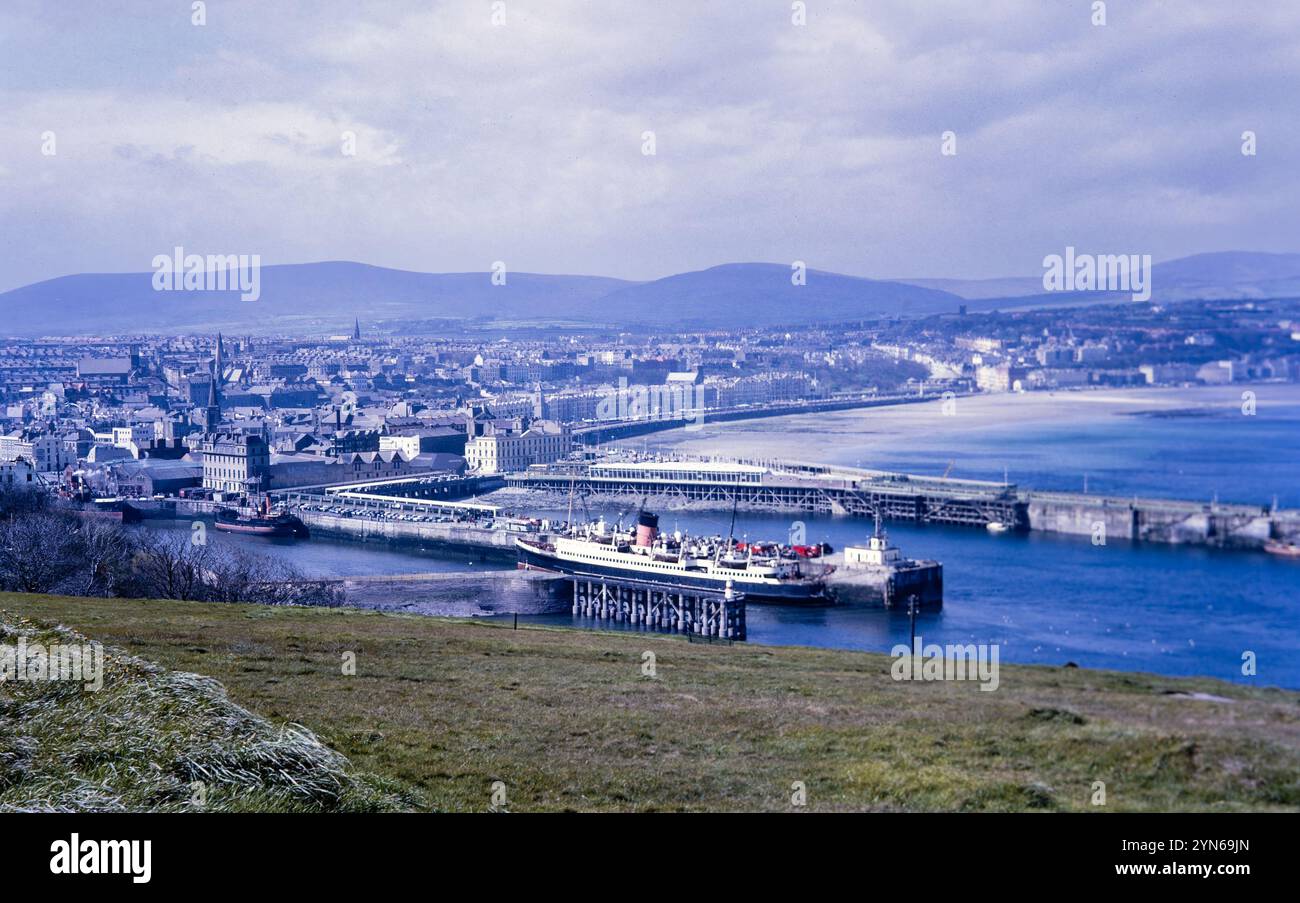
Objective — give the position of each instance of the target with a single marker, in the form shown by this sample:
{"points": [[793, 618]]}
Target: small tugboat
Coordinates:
{"points": [[264, 523]]}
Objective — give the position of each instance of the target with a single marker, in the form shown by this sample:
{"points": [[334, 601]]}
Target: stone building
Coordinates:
{"points": [[237, 464]]}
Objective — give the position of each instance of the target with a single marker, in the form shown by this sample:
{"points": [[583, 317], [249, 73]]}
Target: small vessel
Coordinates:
{"points": [[764, 572], [135, 510], [263, 523], [1284, 549], [997, 526]]}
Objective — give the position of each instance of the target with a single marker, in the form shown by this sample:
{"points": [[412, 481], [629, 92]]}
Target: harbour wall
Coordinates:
{"points": [[486, 542], [853, 492], [1154, 520]]}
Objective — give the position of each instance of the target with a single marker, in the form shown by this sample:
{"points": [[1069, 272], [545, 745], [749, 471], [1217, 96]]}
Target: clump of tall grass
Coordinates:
{"points": [[159, 740]]}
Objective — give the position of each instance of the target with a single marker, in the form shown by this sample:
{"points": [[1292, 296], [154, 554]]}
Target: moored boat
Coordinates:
{"points": [[264, 523], [763, 572], [1284, 549]]}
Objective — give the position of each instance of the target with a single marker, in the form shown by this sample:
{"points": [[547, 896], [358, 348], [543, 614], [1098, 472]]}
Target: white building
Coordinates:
{"points": [[408, 446], [138, 435], [505, 450], [44, 450], [1216, 372], [17, 474], [1003, 377]]}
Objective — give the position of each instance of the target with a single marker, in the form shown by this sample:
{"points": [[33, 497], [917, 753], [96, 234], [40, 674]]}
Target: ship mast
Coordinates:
{"points": [[735, 502], [573, 484]]}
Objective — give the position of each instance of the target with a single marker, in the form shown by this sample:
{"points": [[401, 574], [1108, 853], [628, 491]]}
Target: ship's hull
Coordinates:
{"points": [[263, 527], [789, 592]]}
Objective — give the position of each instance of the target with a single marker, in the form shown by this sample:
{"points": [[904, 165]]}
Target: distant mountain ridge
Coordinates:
{"points": [[315, 297], [1215, 274], [766, 294], [306, 294]]}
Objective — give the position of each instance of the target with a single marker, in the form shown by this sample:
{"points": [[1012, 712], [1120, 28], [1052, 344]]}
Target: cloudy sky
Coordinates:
{"points": [[522, 141]]}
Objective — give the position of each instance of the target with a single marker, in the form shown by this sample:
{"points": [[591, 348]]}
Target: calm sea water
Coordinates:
{"points": [[323, 557]]}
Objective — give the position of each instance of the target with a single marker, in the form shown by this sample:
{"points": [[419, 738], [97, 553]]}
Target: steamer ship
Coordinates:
{"points": [[764, 572]]}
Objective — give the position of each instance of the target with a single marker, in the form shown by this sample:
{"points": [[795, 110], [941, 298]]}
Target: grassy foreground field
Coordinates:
{"points": [[439, 710]]}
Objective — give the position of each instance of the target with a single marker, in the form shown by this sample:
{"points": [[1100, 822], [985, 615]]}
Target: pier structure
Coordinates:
{"points": [[660, 606], [409, 493], [789, 487], [800, 487]]}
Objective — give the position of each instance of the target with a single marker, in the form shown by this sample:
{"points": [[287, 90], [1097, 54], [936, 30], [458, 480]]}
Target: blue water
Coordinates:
{"points": [[1053, 599], [325, 557]]}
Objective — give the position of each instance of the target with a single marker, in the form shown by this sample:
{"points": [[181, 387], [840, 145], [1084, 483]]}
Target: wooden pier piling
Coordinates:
{"points": [[660, 606]]}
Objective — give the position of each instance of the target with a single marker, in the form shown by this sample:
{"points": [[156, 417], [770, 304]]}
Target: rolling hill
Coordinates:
{"points": [[328, 295], [762, 293], [311, 295]]}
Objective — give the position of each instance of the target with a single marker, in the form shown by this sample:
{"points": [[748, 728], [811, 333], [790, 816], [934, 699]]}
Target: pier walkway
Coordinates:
{"points": [[802, 487]]}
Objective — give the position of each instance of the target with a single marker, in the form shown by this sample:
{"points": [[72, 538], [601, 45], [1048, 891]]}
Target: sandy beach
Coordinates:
{"points": [[826, 437]]}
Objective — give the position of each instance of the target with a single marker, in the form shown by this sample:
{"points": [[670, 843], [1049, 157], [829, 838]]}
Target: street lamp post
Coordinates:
{"points": [[911, 613]]}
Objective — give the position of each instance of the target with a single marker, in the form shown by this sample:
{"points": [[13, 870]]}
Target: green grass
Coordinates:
{"points": [[439, 709]]}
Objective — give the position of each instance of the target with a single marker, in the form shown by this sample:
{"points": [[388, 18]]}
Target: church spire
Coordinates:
{"points": [[212, 413], [356, 329], [218, 361]]}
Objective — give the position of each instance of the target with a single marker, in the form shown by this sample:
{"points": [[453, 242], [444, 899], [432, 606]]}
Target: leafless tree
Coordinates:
{"points": [[51, 551], [104, 551], [171, 567], [37, 552]]}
